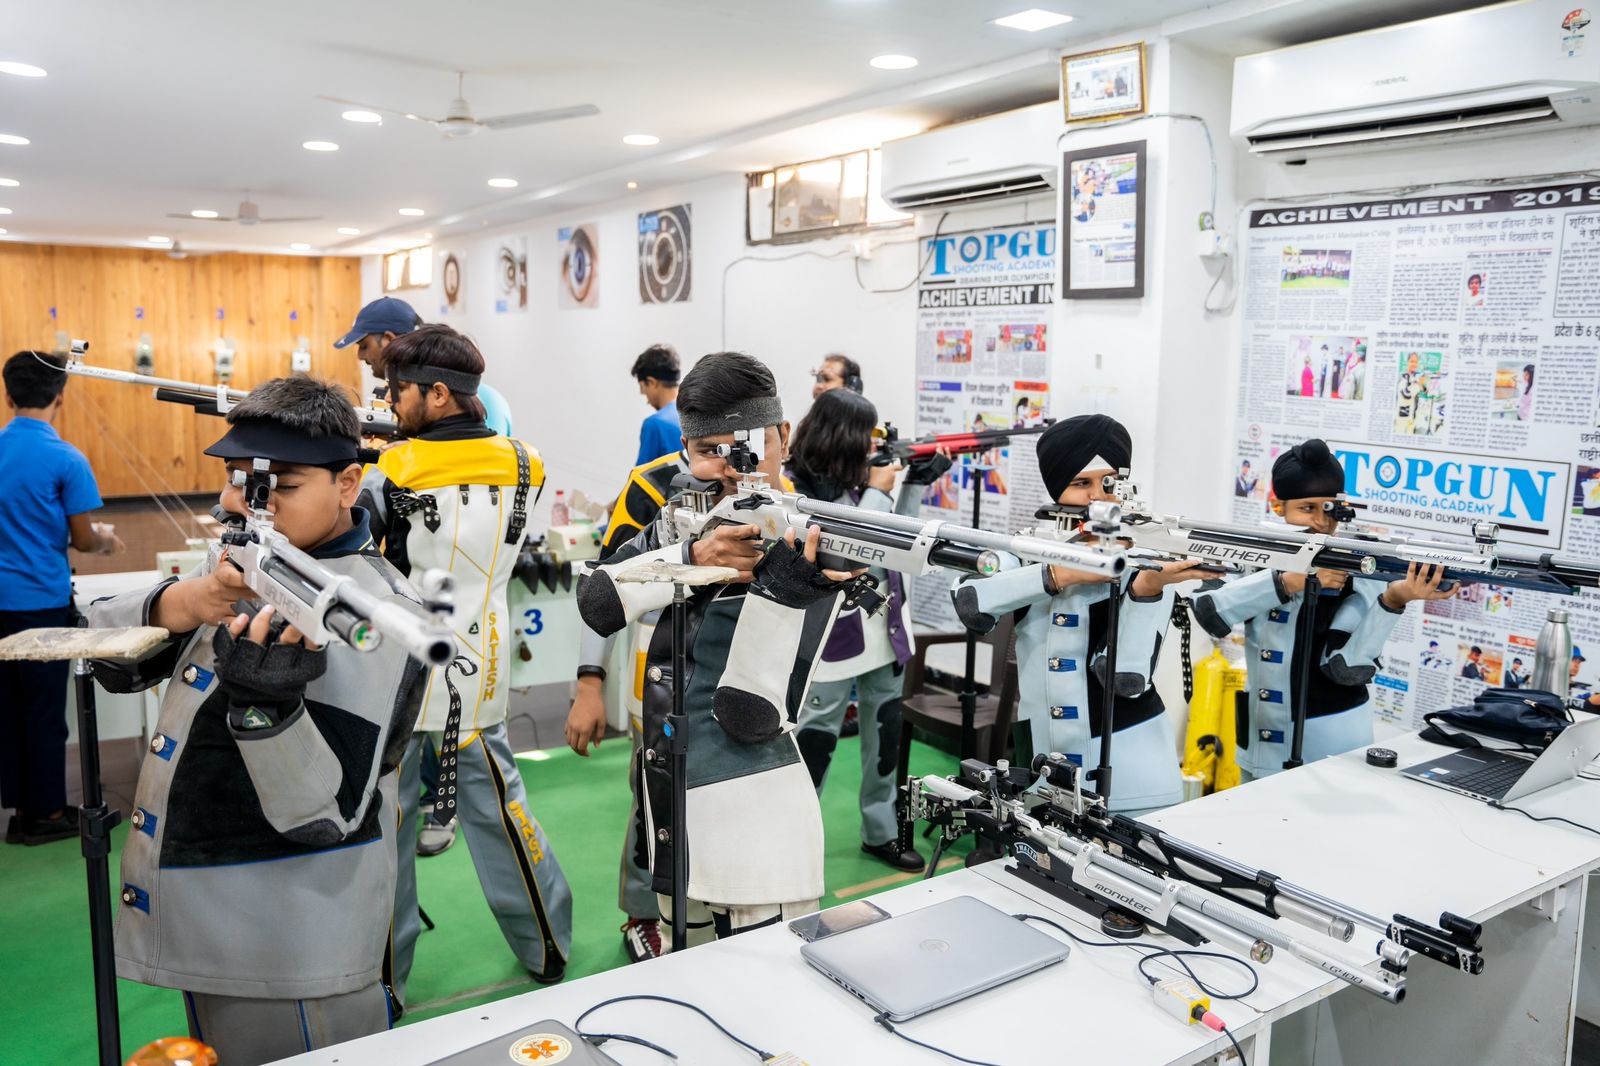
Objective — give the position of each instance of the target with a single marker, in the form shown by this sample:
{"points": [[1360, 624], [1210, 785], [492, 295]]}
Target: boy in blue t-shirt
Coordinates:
{"points": [[656, 371], [48, 491]]}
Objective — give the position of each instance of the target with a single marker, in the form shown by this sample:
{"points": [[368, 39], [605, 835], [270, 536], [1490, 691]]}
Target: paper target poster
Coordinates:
{"points": [[578, 280], [511, 275], [665, 255], [1447, 347], [984, 342]]}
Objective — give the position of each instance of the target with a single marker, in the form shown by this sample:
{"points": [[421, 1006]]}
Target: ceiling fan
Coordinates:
{"points": [[458, 120], [249, 214]]}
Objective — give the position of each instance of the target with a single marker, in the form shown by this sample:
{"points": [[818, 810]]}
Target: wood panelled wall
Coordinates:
{"points": [[111, 296]]}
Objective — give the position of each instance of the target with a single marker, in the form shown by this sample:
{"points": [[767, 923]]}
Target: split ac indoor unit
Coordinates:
{"points": [[1009, 154], [1514, 67]]}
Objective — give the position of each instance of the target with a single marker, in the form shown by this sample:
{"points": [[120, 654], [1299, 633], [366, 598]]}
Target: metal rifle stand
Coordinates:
{"points": [[969, 684], [95, 822], [1302, 683], [1108, 691], [678, 767]]}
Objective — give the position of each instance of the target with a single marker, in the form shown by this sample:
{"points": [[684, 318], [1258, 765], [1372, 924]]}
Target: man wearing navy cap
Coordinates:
{"points": [[388, 317], [376, 325]]}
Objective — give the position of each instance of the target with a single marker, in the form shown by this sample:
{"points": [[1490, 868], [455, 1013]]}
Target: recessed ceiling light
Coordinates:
{"points": [[641, 140], [320, 146], [502, 183], [298, 247], [21, 70], [349, 231], [9, 183], [1033, 20], [2, 231], [12, 138], [5, 210], [158, 239], [201, 212], [427, 236], [633, 185], [893, 62], [412, 212], [361, 116]]}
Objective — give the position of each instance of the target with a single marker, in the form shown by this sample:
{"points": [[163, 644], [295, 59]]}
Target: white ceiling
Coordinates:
{"points": [[152, 108]]}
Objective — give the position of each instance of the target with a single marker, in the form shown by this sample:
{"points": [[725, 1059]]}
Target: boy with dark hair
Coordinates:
{"points": [[49, 492], [656, 370], [1353, 620], [753, 822], [261, 837], [456, 497]]}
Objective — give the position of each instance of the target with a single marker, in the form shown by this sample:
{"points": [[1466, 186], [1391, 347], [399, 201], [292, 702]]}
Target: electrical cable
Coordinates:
{"points": [[883, 1020], [938, 231], [1497, 805], [599, 1038], [765, 259], [1151, 952]]}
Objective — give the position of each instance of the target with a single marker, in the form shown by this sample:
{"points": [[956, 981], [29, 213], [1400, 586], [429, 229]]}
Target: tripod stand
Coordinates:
{"points": [[95, 819]]}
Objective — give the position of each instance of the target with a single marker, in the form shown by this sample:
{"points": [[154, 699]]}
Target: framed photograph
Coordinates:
{"points": [[1102, 205], [1104, 84]]}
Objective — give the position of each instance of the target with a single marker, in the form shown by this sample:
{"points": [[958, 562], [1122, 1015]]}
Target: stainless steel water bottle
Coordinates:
{"points": [[1552, 656]]}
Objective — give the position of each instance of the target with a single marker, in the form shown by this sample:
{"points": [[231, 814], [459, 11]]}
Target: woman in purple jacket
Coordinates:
{"points": [[829, 461]]}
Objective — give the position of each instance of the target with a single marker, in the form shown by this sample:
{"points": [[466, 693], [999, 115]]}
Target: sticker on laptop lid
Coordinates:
{"points": [[541, 1048]]}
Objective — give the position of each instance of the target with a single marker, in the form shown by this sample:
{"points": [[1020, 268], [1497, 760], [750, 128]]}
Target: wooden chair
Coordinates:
{"points": [[938, 712]]}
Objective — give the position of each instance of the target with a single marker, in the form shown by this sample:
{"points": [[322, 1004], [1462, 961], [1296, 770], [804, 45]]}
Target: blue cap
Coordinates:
{"points": [[385, 315], [1577, 653]]}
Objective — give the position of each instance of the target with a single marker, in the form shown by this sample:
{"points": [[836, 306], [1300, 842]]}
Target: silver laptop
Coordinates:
{"points": [[546, 1041], [1503, 776], [921, 961]]}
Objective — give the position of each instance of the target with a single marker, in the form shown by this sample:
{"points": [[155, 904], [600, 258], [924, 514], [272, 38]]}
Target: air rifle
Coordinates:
{"points": [[891, 448], [1065, 842]]}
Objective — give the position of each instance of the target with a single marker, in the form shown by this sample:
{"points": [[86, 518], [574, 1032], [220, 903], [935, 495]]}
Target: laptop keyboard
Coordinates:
{"points": [[1494, 780]]}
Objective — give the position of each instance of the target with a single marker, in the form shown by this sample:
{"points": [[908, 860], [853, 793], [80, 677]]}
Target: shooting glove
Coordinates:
{"points": [[264, 683], [786, 577], [928, 469]]}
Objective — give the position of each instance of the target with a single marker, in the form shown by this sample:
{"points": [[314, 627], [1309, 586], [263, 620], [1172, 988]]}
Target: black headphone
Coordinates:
{"points": [[852, 372]]}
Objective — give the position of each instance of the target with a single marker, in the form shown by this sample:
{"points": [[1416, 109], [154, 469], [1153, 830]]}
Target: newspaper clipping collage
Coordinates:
{"points": [[1446, 347]]}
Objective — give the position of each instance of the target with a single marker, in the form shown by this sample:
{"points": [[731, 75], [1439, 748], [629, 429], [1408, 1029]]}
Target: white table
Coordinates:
{"points": [[1358, 834]]}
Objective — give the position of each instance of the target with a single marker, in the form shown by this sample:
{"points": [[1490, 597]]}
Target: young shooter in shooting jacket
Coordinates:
{"points": [[261, 857], [1354, 617], [754, 826], [456, 496], [1061, 632], [869, 651]]}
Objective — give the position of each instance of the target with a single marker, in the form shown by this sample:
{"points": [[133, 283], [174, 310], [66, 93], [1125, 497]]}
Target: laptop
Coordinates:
{"points": [[929, 958], [1503, 776], [546, 1041]]}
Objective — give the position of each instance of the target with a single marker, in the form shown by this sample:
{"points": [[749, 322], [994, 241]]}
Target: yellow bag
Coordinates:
{"points": [[1209, 745]]}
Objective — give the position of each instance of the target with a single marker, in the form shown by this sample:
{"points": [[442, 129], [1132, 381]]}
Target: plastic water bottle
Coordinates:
{"points": [[559, 515], [1552, 656]]}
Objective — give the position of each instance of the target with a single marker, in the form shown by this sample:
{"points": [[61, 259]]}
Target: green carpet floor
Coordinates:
{"points": [[583, 805]]}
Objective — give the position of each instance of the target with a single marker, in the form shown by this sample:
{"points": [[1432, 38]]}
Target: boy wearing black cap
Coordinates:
{"points": [[1061, 635], [1353, 620], [261, 835], [456, 496], [754, 824]]}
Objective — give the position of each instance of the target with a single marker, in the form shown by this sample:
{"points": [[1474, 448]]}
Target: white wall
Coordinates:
{"points": [[565, 371]]}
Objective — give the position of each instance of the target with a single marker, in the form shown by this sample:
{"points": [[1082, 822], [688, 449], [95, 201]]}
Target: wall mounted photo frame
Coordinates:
{"points": [[1110, 83], [1102, 208]]}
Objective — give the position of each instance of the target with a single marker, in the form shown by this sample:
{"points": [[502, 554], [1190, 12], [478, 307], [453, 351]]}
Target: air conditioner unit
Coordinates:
{"points": [[1009, 154], [1526, 65]]}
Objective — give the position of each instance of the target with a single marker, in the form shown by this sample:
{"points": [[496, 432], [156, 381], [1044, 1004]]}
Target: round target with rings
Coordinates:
{"points": [[505, 269], [452, 279], [664, 259]]}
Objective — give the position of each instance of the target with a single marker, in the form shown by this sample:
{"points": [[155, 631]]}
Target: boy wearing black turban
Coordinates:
{"points": [[1354, 617], [1061, 634]]}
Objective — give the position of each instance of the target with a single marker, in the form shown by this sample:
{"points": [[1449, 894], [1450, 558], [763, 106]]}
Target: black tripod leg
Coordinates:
{"points": [[425, 919], [95, 822], [1304, 641], [1108, 692]]}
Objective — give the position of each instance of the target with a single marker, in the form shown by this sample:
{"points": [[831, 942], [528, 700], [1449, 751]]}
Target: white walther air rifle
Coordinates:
{"points": [[1234, 548], [853, 537], [208, 399], [1134, 876], [321, 604]]}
